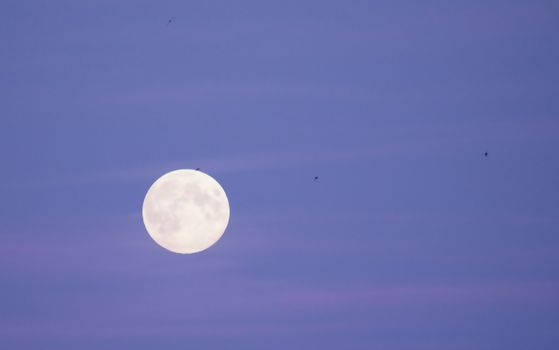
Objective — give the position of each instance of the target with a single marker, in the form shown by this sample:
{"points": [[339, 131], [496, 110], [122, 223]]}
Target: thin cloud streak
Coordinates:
{"points": [[216, 320]]}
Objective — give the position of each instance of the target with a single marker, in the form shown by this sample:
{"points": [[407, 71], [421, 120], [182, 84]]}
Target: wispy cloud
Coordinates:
{"points": [[240, 316], [226, 91], [236, 163]]}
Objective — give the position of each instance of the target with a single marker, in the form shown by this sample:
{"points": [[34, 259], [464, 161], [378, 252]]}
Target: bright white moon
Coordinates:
{"points": [[185, 211]]}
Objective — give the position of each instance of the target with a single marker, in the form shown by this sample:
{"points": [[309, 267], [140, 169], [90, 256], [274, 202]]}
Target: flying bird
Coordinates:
{"points": [[171, 20], [197, 169], [486, 154], [315, 178]]}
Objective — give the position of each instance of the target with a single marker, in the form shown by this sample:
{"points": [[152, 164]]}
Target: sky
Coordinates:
{"points": [[411, 239]]}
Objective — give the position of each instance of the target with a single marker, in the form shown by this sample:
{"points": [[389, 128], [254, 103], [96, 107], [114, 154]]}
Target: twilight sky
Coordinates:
{"points": [[410, 240]]}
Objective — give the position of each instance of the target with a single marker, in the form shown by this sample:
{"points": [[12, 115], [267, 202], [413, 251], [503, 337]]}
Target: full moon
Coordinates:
{"points": [[185, 211]]}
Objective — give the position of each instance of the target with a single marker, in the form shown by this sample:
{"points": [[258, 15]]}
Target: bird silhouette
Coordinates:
{"points": [[171, 20], [315, 178], [197, 169], [486, 154]]}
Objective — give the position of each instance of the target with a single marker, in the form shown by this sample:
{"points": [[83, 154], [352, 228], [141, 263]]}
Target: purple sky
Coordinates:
{"points": [[410, 240]]}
